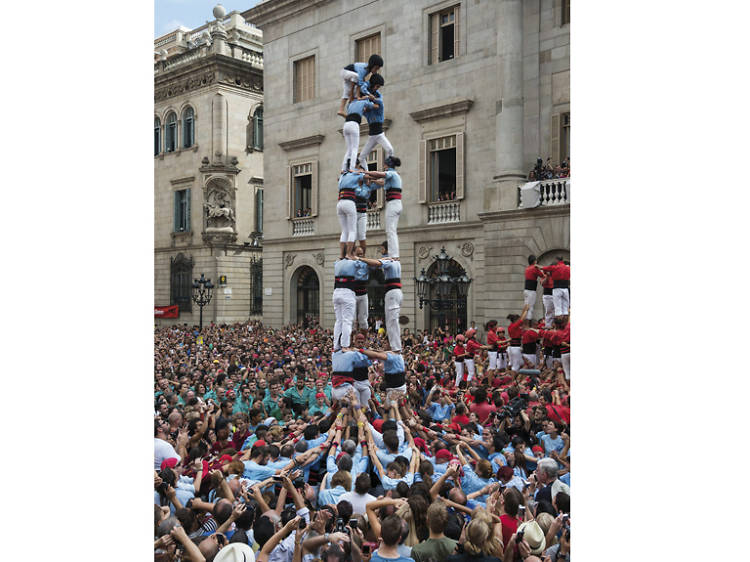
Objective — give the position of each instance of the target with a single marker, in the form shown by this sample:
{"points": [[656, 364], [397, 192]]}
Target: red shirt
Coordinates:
{"points": [[532, 272], [548, 283], [510, 526], [529, 336], [472, 346], [492, 338], [559, 271], [459, 351], [558, 413], [460, 420], [482, 410], [515, 330]]}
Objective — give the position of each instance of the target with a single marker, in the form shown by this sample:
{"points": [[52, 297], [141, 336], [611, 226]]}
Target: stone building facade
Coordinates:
{"points": [[208, 168], [475, 92]]}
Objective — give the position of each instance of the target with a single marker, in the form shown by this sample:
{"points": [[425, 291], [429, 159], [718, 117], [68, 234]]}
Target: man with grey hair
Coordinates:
{"points": [[546, 477]]}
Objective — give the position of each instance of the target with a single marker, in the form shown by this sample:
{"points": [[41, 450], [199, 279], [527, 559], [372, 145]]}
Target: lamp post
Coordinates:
{"points": [[439, 299], [202, 294]]}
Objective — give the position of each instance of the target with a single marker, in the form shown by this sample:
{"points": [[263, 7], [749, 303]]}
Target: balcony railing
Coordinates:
{"points": [[441, 212], [373, 220], [303, 227], [546, 193]]}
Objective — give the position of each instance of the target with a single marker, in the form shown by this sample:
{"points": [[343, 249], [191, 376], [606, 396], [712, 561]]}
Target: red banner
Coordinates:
{"points": [[172, 311]]}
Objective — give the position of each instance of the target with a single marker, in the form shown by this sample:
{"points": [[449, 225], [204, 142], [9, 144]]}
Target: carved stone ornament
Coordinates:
{"points": [[185, 85], [320, 258], [219, 213], [424, 252], [467, 249], [289, 260]]}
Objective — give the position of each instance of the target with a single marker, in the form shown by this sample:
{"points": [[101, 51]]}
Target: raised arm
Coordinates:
{"points": [[277, 538], [372, 517]]}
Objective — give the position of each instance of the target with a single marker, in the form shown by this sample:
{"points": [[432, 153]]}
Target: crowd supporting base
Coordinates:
{"points": [[270, 446]]}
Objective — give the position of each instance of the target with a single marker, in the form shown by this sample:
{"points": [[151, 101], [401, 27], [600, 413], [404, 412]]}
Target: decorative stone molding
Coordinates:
{"points": [[186, 179], [424, 252], [320, 258], [186, 85], [455, 106], [467, 250], [289, 260], [301, 143]]}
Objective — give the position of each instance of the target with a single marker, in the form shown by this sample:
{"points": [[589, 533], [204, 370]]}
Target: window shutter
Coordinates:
{"points": [[187, 210], [554, 138], [249, 134], [176, 211], [422, 171], [434, 38], [456, 32], [460, 166], [314, 194], [290, 193]]}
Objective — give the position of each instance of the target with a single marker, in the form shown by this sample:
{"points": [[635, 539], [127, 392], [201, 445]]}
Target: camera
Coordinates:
{"points": [[340, 526], [519, 536], [299, 482]]}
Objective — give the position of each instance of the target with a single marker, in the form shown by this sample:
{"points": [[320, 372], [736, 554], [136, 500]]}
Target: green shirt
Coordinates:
{"points": [[439, 549]]}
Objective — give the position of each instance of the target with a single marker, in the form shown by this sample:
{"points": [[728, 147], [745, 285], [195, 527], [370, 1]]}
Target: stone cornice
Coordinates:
{"points": [[272, 11], [301, 143], [510, 214], [205, 72], [455, 106], [364, 128]]}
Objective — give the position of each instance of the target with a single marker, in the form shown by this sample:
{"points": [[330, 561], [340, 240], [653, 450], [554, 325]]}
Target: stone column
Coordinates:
{"points": [[219, 128], [509, 165]]}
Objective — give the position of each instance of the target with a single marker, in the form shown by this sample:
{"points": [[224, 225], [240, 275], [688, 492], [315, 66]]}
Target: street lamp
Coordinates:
{"points": [[440, 300], [202, 294]]}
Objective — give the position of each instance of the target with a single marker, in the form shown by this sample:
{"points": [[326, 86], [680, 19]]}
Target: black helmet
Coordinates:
{"points": [[376, 79], [374, 60]]}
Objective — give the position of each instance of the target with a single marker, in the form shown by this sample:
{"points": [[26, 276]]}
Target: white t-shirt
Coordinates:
{"points": [[358, 501], [163, 450]]}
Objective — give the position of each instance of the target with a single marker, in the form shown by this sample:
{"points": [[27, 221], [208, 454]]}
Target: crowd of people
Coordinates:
{"points": [[546, 171], [304, 444], [254, 456]]}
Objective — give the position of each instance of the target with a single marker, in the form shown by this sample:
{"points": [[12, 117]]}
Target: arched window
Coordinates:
{"points": [[188, 127], [157, 136], [258, 129], [452, 313], [181, 273], [171, 133]]}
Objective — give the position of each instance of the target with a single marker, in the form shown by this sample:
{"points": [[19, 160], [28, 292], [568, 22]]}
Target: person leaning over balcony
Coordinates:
{"points": [[561, 279], [393, 207], [353, 76]]}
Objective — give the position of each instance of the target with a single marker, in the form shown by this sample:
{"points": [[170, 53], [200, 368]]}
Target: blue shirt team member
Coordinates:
{"points": [[353, 75], [392, 185], [355, 110], [375, 118]]}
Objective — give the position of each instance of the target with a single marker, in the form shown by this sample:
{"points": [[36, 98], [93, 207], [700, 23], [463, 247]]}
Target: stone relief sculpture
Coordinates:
{"points": [[219, 213]]}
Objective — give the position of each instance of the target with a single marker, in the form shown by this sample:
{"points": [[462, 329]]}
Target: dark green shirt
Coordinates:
{"points": [[439, 549]]}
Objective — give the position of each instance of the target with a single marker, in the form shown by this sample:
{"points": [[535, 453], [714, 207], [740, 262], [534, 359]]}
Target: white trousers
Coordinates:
{"points": [[364, 391], [531, 358], [380, 139], [349, 78], [565, 360], [549, 310], [393, 300], [529, 298], [469, 369], [561, 298], [351, 136], [346, 210], [363, 303], [459, 372], [392, 214], [344, 305], [493, 360], [361, 226], [502, 360], [340, 392], [514, 358]]}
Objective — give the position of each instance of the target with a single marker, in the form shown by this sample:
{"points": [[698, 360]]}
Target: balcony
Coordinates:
{"points": [[303, 227], [373, 220], [546, 193], [442, 212]]}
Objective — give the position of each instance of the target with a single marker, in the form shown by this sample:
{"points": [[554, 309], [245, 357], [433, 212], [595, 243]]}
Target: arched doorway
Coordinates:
{"points": [[307, 292], [454, 317]]}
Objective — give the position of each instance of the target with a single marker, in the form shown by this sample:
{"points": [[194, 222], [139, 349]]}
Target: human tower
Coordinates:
{"points": [[362, 96]]}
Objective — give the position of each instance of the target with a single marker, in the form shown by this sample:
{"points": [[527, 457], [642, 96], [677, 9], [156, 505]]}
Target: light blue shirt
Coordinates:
{"points": [[345, 268], [471, 482], [390, 483], [377, 437], [497, 460], [550, 444], [363, 191], [387, 458], [330, 496], [255, 471], [376, 114], [281, 462], [394, 363], [391, 269], [392, 179], [359, 106], [350, 180], [438, 412]]}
